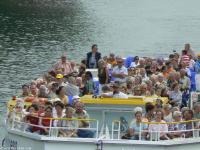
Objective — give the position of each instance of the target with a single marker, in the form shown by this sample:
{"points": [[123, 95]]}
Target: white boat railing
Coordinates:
{"points": [[144, 134], [155, 135], [53, 130]]}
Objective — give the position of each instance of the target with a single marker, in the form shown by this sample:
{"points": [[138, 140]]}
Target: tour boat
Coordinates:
{"points": [[109, 120]]}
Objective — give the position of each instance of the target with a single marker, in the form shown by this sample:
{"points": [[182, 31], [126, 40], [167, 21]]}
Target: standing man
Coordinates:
{"points": [[93, 57], [189, 51], [63, 66]]}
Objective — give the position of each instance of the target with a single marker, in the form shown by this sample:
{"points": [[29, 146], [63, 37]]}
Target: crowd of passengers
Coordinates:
{"points": [[171, 121], [57, 93], [39, 116]]}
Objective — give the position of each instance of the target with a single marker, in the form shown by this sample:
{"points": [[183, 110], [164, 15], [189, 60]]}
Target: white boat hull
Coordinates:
{"points": [[27, 141]]}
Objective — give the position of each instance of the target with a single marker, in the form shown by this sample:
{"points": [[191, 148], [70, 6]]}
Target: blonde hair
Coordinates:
{"points": [[176, 113], [69, 109]]}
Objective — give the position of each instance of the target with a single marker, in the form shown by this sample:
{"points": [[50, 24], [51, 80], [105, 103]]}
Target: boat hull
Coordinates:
{"points": [[28, 141]]}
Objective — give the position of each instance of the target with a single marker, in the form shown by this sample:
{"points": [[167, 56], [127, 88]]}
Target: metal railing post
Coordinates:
{"points": [[50, 127], [140, 131], [193, 130], [112, 132], [119, 129], [97, 130]]}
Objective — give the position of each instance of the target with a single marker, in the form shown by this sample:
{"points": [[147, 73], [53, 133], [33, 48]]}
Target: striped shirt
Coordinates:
{"points": [[185, 59]]}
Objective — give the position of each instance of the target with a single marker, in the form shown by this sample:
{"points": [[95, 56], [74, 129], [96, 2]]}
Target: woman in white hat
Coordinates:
{"points": [[136, 125]]}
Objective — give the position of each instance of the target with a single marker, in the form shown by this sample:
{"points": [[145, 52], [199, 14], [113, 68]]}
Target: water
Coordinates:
{"points": [[34, 33]]}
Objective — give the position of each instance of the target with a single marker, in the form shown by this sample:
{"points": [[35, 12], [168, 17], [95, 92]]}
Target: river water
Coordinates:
{"points": [[34, 33]]}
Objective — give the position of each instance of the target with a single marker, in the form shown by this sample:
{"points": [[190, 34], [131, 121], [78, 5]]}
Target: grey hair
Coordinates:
{"points": [[176, 113]]}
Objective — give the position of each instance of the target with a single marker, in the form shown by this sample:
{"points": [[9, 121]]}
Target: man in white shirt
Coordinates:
{"points": [[135, 63], [120, 72], [116, 92]]}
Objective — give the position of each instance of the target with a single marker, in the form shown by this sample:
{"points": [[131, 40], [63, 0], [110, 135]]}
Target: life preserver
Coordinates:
{"points": [[29, 99]]}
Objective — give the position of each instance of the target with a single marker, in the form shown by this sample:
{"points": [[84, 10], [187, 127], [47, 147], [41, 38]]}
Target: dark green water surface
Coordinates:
{"points": [[34, 33]]}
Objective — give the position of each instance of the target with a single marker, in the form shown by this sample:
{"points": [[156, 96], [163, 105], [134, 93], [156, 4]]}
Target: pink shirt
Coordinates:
{"points": [[63, 68]]}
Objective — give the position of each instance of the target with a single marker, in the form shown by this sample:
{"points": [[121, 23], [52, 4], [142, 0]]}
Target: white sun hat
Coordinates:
{"points": [[138, 109]]}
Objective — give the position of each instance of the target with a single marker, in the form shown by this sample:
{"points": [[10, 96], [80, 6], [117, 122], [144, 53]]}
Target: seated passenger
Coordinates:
{"points": [[196, 110], [80, 85], [25, 91], [34, 90], [59, 106], [89, 84], [159, 129], [167, 112], [75, 99], [120, 72], [143, 74], [80, 113], [71, 88], [177, 117], [60, 79], [32, 118], [144, 90], [46, 121], [116, 92], [158, 104], [41, 108], [103, 74], [137, 91], [60, 92], [135, 63], [43, 92], [188, 115], [150, 109], [134, 128], [71, 125], [184, 81], [52, 90], [112, 60], [130, 84], [16, 115], [141, 63], [175, 95]]}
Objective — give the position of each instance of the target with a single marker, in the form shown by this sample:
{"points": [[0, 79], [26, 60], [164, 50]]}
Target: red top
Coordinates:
{"points": [[33, 120], [45, 122]]}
